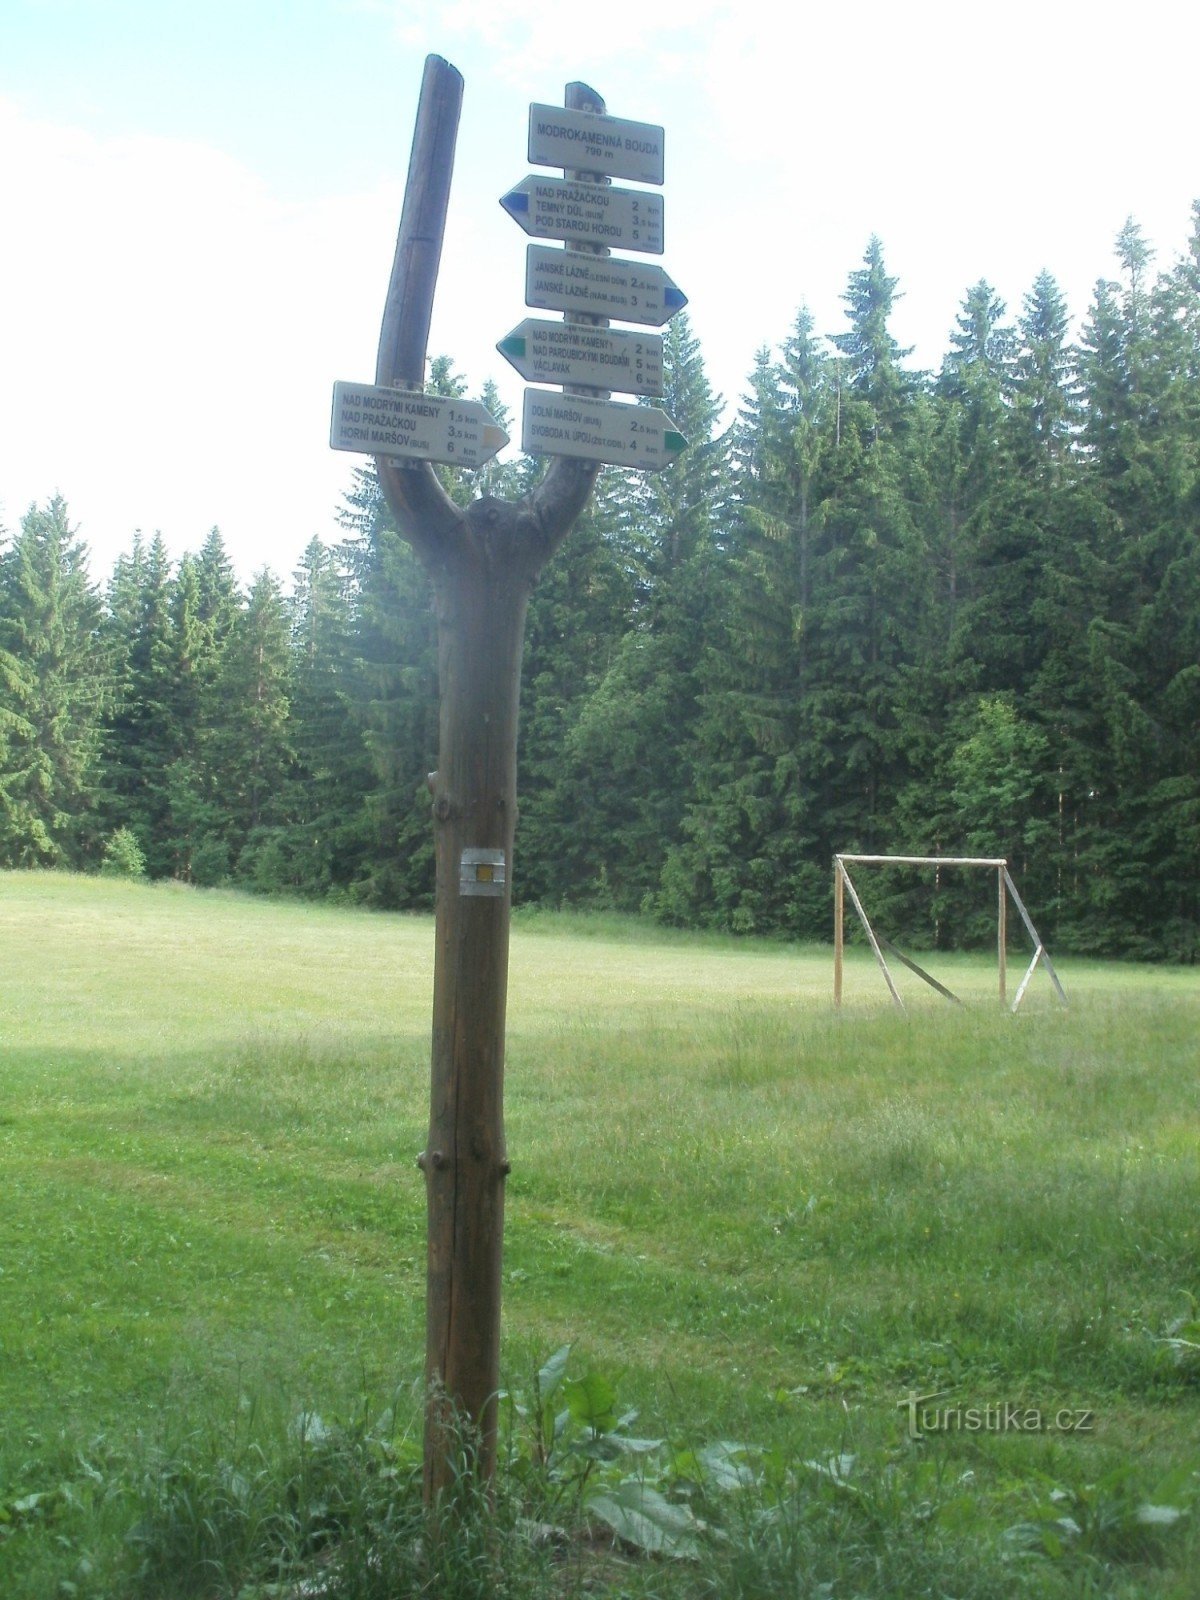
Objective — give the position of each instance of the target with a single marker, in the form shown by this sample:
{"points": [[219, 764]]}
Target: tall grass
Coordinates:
{"points": [[763, 1221]]}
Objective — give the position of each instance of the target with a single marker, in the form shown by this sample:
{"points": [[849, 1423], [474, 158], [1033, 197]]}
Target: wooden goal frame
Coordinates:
{"points": [[1005, 889]]}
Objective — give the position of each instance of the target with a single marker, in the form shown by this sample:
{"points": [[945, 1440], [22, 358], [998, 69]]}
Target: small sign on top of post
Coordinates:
{"points": [[584, 142]]}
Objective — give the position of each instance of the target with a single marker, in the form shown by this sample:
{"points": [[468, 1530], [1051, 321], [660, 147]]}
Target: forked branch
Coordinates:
{"points": [[528, 531]]}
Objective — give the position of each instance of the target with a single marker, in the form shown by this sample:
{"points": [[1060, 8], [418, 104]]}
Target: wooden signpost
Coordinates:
{"points": [[586, 283], [483, 561]]}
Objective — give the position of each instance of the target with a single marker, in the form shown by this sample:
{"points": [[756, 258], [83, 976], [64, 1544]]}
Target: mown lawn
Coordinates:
{"points": [[762, 1222]]}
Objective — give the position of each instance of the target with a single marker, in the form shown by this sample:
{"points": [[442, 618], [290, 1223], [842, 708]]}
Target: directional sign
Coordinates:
{"points": [[569, 280], [413, 426], [598, 430], [588, 213], [590, 143], [598, 358]]}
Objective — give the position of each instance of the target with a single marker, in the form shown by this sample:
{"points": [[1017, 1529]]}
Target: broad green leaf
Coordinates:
{"points": [[642, 1517], [551, 1375], [598, 1447], [637, 1447], [591, 1401], [728, 1466]]}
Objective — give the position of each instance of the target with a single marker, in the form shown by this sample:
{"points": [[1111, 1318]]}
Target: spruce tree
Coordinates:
{"points": [[53, 692], [864, 616], [981, 347], [205, 606], [250, 750], [25, 772], [325, 839], [625, 770], [584, 602], [874, 359], [218, 602], [395, 699], [741, 862], [143, 735], [1046, 401]]}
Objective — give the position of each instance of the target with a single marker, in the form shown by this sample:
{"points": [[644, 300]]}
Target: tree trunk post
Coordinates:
{"points": [[483, 561], [481, 606]]}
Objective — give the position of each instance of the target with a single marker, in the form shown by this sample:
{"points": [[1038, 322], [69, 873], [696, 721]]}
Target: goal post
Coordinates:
{"points": [[1006, 889]]}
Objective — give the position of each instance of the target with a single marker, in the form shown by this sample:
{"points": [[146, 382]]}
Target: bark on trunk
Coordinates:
{"points": [[481, 620]]}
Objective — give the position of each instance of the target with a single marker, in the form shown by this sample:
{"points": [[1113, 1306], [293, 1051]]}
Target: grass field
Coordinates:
{"points": [[761, 1222]]}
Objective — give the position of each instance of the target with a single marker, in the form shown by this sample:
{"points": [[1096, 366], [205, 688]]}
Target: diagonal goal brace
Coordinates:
{"points": [[1006, 889]]}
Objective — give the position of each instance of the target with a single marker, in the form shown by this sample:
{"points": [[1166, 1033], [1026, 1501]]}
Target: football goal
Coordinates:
{"points": [[1006, 890]]}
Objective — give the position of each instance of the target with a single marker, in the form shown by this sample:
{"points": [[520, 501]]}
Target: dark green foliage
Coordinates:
{"points": [[322, 845], [250, 751], [333, 1509], [578, 615], [886, 611], [392, 684], [1046, 402], [945, 620], [51, 695], [149, 727], [623, 757], [873, 360]]}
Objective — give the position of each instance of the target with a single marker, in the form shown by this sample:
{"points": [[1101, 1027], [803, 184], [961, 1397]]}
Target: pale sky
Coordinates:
{"points": [[200, 204]]}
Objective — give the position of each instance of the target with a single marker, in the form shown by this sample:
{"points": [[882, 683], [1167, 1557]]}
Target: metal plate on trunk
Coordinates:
{"points": [[482, 872]]}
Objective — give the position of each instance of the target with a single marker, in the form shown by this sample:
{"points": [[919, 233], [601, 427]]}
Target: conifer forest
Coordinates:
{"points": [[882, 610]]}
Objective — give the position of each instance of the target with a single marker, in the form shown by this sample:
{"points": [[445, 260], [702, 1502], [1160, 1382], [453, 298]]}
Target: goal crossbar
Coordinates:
{"points": [[1006, 889]]}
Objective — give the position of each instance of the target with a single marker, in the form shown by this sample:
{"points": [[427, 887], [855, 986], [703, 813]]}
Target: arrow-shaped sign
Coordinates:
{"points": [[598, 358], [630, 291], [587, 213], [407, 424], [599, 430], [590, 143]]}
